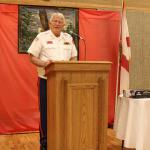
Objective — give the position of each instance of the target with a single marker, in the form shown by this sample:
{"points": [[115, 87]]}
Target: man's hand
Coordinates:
{"points": [[73, 59], [46, 63], [40, 63]]}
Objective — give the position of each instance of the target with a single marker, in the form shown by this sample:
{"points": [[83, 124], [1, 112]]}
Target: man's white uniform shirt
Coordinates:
{"points": [[46, 46]]}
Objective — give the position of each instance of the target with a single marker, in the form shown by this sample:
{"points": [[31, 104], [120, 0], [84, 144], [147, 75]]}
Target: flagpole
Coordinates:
{"points": [[125, 55], [119, 65], [119, 59], [120, 51]]}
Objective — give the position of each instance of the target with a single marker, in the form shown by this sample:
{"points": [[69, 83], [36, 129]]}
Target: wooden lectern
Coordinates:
{"points": [[77, 105]]}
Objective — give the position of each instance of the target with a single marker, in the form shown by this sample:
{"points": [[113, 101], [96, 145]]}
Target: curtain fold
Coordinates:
{"points": [[18, 79]]}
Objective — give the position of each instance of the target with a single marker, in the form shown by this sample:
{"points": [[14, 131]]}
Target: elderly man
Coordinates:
{"points": [[49, 46]]}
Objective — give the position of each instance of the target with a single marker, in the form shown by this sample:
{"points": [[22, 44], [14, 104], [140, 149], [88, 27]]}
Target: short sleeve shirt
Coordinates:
{"points": [[46, 46]]}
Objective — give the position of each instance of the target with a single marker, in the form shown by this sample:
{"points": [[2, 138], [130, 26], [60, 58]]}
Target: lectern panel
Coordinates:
{"points": [[82, 116]]}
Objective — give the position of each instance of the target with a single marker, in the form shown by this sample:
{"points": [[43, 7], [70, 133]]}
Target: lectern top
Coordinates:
{"points": [[78, 66]]}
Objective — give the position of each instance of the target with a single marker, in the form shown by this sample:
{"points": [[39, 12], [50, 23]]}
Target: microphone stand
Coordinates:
{"points": [[84, 49], [81, 38]]}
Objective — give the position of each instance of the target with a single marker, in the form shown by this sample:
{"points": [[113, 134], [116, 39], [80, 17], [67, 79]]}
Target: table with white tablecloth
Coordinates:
{"points": [[132, 122]]}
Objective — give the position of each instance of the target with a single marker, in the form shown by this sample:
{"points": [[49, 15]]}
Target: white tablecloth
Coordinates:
{"points": [[132, 122]]}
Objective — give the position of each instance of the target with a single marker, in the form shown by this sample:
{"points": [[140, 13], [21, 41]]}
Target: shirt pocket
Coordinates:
{"points": [[50, 51], [50, 47], [67, 51], [67, 47]]}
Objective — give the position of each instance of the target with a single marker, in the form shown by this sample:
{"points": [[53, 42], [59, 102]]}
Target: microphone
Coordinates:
{"points": [[75, 34]]}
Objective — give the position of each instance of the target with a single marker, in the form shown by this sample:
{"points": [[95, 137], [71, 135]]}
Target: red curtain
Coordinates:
{"points": [[100, 30], [18, 79]]}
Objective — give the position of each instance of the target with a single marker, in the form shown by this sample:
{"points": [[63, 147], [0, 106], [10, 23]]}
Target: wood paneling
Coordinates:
{"points": [[134, 4]]}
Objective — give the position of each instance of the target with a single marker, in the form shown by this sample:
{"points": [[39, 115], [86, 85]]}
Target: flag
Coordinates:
{"points": [[125, 54]]}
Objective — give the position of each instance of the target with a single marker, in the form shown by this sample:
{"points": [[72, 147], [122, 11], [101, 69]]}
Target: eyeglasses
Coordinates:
{"points": [[57, 22]]}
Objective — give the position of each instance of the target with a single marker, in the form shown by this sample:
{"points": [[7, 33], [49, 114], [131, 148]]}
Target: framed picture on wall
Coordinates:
{"points": [[34, 19]]}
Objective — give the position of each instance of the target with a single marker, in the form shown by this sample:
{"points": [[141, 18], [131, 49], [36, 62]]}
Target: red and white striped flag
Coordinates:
{"points": [[126, 53]]}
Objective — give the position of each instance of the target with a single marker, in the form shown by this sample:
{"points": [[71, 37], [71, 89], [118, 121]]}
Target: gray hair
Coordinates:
{"points": [[59, 15]]}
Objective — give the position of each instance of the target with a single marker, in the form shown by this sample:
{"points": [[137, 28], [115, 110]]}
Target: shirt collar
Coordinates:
{"points": [[53, 36]]}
